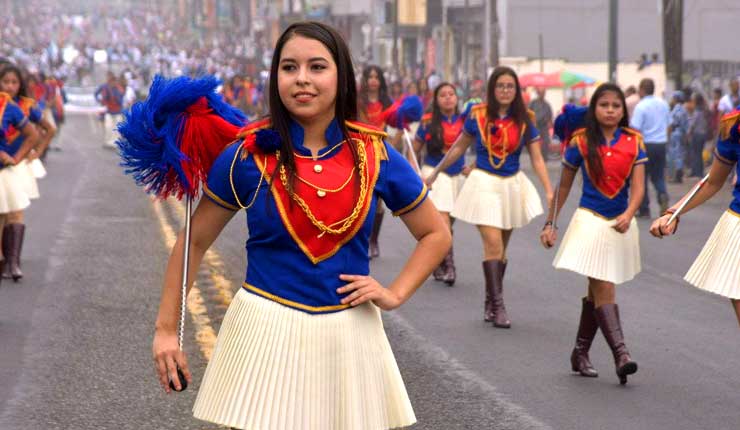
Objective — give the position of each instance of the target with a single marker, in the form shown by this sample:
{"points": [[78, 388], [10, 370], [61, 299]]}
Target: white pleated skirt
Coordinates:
{"points": [[591, 247], [276, 368], [29, 179], [37, 168], [717, 268], [496, 201], [445, 190], [13, 189]]}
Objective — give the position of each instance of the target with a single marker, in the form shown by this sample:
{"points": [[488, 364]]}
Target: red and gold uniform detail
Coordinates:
{"points": [[617, 160], [330, 198]]}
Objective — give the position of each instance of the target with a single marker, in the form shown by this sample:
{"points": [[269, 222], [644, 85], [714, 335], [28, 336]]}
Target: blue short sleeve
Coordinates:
{"points": [[421, 132], [398, 183], [471, 125], [531, 133], [34, 115], [572, 157], [726, 150], [220, 180], [15, 116], [642, 156]]}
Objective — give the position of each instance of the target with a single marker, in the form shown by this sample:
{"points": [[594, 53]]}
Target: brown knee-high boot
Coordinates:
{"points": [[374, 233], [12, 245], [607, 317], [587, 329], [450, 274], [495, 311]]}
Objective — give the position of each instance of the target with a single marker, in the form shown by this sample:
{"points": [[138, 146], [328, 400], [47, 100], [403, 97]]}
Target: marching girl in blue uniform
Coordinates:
{"points": [[373, 99], [437, 132], [497, 197], [602, 241], [717, 268], [13, 195], [302, 345], [12, 82]]}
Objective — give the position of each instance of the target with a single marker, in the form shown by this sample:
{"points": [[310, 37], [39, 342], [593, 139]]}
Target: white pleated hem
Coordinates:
{"points": [[496, 201], [592, 248], [445, 190], [277, 368], [37, 168], [717, 268], [25, 171], [13, 194]]}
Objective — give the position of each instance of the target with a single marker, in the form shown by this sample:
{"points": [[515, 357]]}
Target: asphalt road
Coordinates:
{"points": [[76, 332]]}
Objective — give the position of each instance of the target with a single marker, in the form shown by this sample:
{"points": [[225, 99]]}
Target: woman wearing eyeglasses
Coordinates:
{"points": [[497, 196]]}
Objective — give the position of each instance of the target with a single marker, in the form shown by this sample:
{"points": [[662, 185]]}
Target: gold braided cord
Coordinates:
{"points": [[316, 187], [505, 145], [259, 184], [347, 222], [321, 156]]}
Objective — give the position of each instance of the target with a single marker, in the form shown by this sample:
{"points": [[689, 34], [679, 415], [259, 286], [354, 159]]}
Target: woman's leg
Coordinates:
{"points": [[587, 328], [494, 251], [449, 274], [607, 317], [12, 244]]}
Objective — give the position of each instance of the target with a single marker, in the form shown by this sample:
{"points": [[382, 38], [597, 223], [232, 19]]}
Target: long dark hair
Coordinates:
{"points": [[517, 110], [594, 134], [436, 142], [346, 102], [12, 68], [383, 96]]}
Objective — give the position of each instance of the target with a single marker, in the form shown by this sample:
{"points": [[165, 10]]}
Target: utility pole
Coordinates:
{"points": [[486, 37], [464, 45], [613, 37], [673, 41], [496, 33], [394, 51]]}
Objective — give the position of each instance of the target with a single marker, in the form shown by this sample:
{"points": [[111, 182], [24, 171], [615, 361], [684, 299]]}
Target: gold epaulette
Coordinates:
{"points": [[478, 108], [253, 127], [375, 134], [531, 115], [5, 96], [426, 118], [728, 121], [576, 136]]}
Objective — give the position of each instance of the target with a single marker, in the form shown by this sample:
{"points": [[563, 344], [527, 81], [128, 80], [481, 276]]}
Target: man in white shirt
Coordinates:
{"points": [[731, 100], [651, 118]]}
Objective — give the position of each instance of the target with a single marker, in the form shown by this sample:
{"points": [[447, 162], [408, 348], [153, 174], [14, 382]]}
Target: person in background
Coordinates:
{"points": [[651, 118], [698, 134], [677, 130], [543, 118], [632, 98], [731, 100], [111, 96]]}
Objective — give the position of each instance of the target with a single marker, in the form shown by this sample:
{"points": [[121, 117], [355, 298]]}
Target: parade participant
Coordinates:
{"points": [[111, 96], [602, 241], [13, 83], [497, 196], [307, 322], [716, 268], [438, 131], [373, 99], [13, 195]]}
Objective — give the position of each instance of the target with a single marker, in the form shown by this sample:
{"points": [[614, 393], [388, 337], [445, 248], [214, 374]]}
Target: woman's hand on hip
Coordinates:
{"points": [[167, 358], [365, 288]]}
